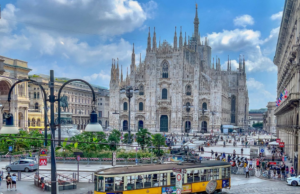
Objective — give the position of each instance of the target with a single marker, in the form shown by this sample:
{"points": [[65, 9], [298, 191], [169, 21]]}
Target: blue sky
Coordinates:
{"points": [[78, 38]]}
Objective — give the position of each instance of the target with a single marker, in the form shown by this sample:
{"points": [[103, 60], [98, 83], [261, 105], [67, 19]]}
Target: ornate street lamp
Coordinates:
{"points": [[10, 129], [128, 91]]}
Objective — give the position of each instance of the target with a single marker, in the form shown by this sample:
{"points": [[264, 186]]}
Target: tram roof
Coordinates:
{"points": [[158, 167]]}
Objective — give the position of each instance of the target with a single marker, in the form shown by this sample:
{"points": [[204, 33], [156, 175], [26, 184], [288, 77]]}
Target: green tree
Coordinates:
{"points": [[158, 141], [125, 138], [143, 137], [114, 137]]}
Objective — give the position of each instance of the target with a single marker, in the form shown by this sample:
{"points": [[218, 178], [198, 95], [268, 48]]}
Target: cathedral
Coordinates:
{"points": [[181, 88]]}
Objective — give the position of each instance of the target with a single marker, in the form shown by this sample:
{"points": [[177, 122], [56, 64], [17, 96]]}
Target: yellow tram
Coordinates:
{"points": [[160, 178]]}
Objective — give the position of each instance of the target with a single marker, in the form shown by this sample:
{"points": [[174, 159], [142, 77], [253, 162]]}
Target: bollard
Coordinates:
{"points": [[19, 176]]}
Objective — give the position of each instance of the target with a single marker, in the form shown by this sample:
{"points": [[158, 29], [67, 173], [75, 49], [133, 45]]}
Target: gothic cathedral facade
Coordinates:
{"points": [[180, 89]]}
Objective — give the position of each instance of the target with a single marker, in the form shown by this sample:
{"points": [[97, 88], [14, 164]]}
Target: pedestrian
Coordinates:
{"points": [[1, 176], [257, 164], [228, 158], [14, 181], [286, 170], [247, 172], [234, 153], [212, 153], [282, 168], [8, 181], [216, 154], [250, 164], [242, 150], [273, 157], [292, 171], [199, 148]]}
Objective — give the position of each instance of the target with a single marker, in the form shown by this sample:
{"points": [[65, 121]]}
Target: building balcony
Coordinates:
{"points": [[284, 106]]}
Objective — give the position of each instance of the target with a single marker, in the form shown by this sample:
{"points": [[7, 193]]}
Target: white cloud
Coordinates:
{"points": [[14, 42], [8, 19], [243, 20], [277, 16], [107, 18], [101, 76], [258, 95], [233, 40]]}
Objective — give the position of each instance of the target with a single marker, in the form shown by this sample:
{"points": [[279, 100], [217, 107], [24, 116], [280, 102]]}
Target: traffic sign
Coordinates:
{"points": [[78, 157], [43, 161], [114, 159], [178, 180], [10, 148], [262, 150], [178, 191], [281, 144]]}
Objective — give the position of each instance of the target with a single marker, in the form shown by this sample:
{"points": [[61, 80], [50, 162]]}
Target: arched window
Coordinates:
{"points": [[188, 91], [125, 106], [165, 70], [204, 106], [33, 122], [141, 106], [4, 88], [38, 123], [164, 93], [232, 109], [34, 95], [141, 90], [38, 95], [125, 125], [188, 107], [36, 106], [28, 122]]}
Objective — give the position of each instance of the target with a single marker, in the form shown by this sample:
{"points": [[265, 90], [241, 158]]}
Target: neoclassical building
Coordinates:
{"points": [[270, 118], [176, 82], [79, 101], [14, 70], [287, 59], [27, 103]]}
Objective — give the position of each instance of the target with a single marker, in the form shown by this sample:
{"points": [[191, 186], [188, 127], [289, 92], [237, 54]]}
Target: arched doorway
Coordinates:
{"points": [[141, 124], [164, 123], [187, 126], [204, 126], [125, 125]]}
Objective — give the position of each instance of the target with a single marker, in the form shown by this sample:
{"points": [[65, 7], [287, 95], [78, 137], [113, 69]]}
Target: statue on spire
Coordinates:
{"points": [[196, 24]]}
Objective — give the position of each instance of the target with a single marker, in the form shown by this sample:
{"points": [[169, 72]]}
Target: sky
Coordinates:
{"points": [[79, 38]]}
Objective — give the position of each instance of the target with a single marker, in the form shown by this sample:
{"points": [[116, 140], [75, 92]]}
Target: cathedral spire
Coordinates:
{"points": [[228, 64], [175, 40], [240, 64], [185, 39], [140, 58], [149, 42], [154, 40], [180, 39], [121, 74], [244, 70], [196, 23], [118, 64], [213, 66], [132, 66]]}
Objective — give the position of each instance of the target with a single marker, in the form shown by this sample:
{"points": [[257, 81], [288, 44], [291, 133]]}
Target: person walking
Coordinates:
{"points": [[216, 155], [286, 171], [250, 164], [8, 181], [292, 171], [247, 172], [14, 181], [212, 153], [242, 150]]}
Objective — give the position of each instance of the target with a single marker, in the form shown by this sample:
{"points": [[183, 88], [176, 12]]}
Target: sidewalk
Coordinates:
{"points": [[25, 187]]}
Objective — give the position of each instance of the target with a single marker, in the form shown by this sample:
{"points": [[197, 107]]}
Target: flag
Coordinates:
{"points": [[279, 100], [281, 96], [285, 93]]}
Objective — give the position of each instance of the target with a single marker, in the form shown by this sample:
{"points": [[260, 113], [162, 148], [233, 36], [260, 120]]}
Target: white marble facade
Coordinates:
{"points": [[171, 77]]}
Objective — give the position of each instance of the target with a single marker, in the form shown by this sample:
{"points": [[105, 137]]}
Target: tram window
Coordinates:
{"points": [[215, 174], [147, 180], [203, 175], [173, 178], [119, 183], [109, 183], [163, 179], [155, 179], [225, 173], [196, 175], [190, 175], [131, 182], [139, 182], [100, 184]]}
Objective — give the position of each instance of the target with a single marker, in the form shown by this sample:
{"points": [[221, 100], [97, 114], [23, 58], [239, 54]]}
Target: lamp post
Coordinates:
{"points": [[11, 129], [128, 90]]}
